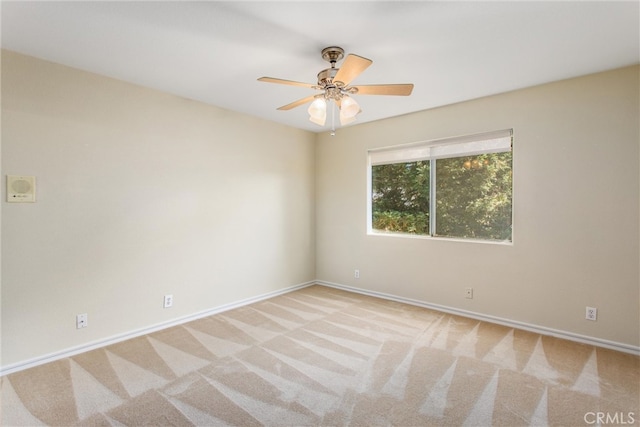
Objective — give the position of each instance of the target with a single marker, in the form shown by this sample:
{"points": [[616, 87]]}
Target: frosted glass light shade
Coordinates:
{"points": [[318, 110], [319, 121], [349, 107], [346, 120]]}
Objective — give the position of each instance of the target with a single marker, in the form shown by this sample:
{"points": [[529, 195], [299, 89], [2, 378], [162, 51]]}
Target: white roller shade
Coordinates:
{"points": [[469, 145]]}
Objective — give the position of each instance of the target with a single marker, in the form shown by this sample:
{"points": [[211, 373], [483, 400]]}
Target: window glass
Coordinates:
{"points": [[455, 188], [400, 197], [473, 197]]}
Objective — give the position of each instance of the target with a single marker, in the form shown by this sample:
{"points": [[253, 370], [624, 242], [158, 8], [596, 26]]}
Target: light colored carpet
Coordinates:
{"points": [[321, 356]]}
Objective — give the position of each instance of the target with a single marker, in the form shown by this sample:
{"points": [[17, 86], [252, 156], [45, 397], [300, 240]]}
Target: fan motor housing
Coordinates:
{"points": [[325, 77]]}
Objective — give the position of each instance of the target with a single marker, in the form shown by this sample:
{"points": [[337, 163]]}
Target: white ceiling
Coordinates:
{"points": [[214, 51]]}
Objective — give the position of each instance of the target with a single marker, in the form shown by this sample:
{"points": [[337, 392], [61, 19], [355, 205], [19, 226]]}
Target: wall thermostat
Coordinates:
{"points": [[21, 189]]}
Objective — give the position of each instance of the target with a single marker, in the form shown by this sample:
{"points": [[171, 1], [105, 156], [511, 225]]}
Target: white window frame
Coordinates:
{"points": [[468, 145]]}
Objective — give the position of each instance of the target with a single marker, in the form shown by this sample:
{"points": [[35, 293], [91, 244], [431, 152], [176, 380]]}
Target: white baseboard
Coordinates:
{"points": [[542, 330], [5, 370], [15, 367]]}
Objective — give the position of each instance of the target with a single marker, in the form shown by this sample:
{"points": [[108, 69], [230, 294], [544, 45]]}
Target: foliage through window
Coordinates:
{"points": [[456, 188]]}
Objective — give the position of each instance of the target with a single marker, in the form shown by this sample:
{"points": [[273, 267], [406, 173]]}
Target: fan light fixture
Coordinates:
{"points": [[334, 84], [348, 107]]}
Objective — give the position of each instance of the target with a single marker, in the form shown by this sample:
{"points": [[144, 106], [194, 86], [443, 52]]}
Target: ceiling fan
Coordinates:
{"points": [[334, 84]]}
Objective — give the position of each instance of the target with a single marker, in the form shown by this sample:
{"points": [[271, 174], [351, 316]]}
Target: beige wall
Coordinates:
{"points": [[140, 194], [576, 222]]}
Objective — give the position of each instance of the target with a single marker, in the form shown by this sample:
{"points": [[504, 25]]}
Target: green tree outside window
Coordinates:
{"points": [[473, 197]]}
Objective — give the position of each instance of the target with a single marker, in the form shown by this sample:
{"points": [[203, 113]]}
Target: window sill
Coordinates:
{"points": [[446, 239]]}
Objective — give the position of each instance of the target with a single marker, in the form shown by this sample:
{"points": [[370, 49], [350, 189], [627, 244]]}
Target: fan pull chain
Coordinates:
{"points": [[333, 119]]}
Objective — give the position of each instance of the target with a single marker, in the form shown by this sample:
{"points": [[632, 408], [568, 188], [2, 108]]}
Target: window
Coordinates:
{"points": [[455, 188]]}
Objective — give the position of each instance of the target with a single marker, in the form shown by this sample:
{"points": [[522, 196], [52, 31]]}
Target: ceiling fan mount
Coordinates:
{"points": [[332, 54], [334, 86]]}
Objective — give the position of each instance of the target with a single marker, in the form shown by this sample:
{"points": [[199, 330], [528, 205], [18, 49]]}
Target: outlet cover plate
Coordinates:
{"points": [[168, 301], [82, 321]]}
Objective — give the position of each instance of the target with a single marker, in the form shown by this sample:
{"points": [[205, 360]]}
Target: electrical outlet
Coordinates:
{"points": [[168, 301], [468, 293], [82, 321], [592, 313], [356, 274]]}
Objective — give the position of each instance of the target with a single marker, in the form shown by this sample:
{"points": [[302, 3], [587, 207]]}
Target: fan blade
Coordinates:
{"points": [[395, 89], [297, 103], [351, 68], [284, 82]]}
